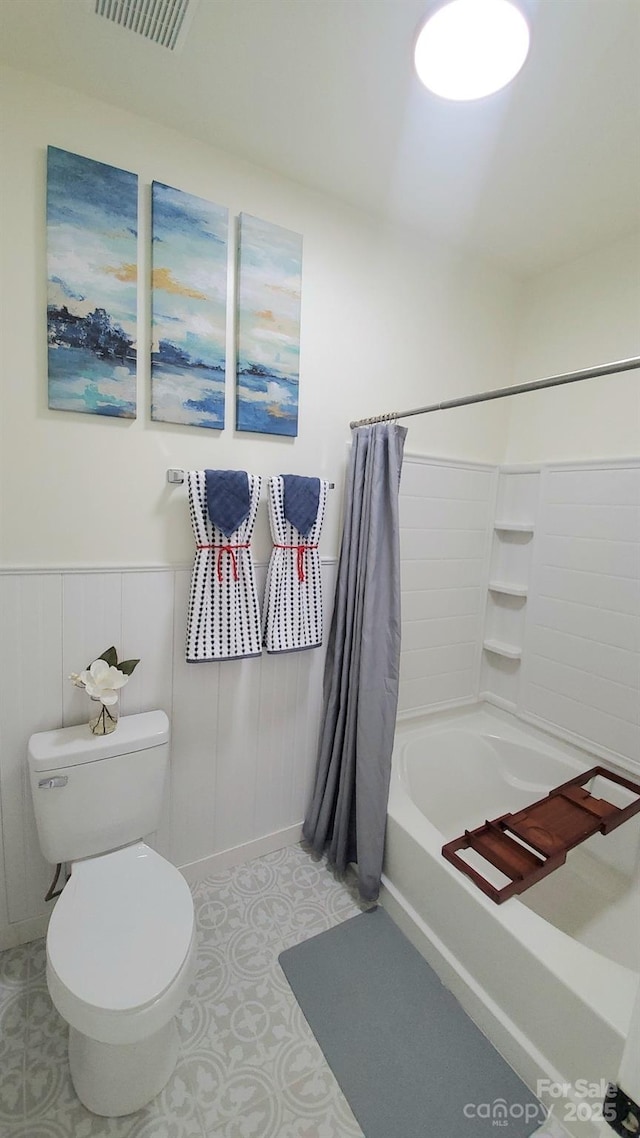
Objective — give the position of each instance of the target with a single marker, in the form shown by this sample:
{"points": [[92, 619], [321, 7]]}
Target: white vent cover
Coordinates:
{"points": [[164, 22]]}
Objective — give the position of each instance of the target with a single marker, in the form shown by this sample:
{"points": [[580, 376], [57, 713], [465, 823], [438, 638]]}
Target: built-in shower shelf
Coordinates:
{"points": [[499, 648], [527, 846], [508, 589], [514, 527]]}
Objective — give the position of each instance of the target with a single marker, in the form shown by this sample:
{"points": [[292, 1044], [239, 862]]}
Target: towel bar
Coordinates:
{"points": [[175, 477]]}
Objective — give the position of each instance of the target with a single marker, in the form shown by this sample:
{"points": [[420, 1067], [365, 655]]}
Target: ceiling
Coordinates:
{"points": [[323, 91]]}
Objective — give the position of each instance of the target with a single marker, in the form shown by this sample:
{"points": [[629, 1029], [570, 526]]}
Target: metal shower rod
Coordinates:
{"points": [[502, 392]]}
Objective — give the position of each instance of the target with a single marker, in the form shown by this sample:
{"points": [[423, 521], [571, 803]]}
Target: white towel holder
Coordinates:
{"points": [[175, 477]]}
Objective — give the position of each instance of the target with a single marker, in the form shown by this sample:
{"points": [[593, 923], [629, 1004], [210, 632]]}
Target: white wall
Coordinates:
{"points": [[386, 320], [583, 313]]}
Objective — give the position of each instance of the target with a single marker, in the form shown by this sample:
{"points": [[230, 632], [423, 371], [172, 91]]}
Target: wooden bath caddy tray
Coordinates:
{"points": [[529, 845]]}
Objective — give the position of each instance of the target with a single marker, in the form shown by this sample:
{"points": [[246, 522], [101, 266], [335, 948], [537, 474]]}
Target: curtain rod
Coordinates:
{"points": [[502, 392]]}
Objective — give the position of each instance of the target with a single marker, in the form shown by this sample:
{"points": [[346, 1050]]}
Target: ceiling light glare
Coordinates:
{"points": [[471, 48]]}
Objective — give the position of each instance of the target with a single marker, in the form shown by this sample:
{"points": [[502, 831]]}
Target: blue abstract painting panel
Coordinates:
{"points": [[269, 287], [92, 221], [189, 308]]}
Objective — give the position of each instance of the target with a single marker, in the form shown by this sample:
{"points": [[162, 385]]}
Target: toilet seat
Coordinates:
{"points": [[120, 944]]}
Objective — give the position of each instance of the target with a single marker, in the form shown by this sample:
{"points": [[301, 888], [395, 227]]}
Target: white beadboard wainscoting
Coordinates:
{"points": [[244, 732]]}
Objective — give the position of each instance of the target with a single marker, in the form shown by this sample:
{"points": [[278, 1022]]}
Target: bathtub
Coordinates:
{"points": [[550, 976]]}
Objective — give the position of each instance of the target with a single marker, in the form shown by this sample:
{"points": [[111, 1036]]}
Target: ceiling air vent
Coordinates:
{"points": [[164, 22]]}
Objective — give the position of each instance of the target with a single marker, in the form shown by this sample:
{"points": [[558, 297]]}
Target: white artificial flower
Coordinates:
{"points": [[102, 682]]}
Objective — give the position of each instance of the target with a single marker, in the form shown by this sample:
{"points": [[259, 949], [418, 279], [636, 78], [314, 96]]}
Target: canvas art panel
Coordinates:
{"points": [[92, 228], [269, 290], [189, 308]]}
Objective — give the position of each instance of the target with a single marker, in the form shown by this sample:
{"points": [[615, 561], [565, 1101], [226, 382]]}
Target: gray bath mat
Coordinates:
{"points": [[409, 1060]]}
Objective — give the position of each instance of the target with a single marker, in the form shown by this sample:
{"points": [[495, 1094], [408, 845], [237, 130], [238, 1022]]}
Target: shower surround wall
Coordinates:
{"points": [[446, 512], [587, 557], [533, 603]]}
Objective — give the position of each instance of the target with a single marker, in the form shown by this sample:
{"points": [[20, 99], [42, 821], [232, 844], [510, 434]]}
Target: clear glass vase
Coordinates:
{"points": [[105, 720]]}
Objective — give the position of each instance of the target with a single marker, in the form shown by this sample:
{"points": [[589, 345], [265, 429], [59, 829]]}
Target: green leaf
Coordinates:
{"points": [[127, 666], [111, 657]]}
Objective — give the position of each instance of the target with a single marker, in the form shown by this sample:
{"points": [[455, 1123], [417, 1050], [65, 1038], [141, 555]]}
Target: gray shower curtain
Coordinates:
{"points": [[347, 815]]}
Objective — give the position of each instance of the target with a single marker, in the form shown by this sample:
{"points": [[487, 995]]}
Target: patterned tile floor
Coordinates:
{"points": [[249, 1066]]}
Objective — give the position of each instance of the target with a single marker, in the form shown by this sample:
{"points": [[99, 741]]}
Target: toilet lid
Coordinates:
{"points": [[122, 928]]}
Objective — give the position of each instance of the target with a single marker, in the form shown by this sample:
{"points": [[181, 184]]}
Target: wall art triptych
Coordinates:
{"points": [[92, 222]]}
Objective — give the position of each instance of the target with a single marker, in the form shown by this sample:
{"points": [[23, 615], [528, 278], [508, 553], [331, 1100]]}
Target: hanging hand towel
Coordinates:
{"points": [[223, 621], [293, 596]]}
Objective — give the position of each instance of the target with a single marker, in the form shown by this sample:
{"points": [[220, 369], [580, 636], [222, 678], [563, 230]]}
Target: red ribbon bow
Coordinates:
{"points": [[230, 549], [301, 550]]}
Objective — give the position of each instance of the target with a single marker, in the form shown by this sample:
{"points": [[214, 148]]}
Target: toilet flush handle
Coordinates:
{"points": [[52, 783]]}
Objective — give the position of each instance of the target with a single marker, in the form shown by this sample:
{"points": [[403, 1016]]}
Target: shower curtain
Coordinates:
{"points": [[347, 815]]}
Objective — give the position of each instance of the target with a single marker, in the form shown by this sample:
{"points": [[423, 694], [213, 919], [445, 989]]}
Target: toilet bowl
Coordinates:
{"points": [[120, 951], [121, 939]]}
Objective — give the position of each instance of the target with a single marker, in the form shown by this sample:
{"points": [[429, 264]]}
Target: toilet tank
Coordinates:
{"points": [[93, 793]]}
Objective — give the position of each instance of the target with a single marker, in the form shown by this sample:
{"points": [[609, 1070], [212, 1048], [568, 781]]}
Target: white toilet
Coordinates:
{"points": [[121, 940]]}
